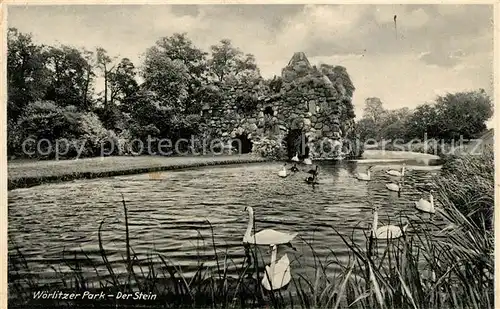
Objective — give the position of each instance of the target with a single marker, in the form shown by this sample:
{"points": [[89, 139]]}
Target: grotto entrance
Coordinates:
{"points": [[242, 144], [268, 111], [296, 142]]}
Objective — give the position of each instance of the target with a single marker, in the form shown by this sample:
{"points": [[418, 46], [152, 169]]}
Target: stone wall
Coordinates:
{"points": [[305, 100]]}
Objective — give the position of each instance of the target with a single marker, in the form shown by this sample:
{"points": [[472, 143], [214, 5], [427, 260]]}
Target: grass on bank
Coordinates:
{"points": [[429, 268], [26, 174]]}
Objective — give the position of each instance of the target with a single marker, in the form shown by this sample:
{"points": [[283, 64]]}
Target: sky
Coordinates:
{"points": [[432, 50]]}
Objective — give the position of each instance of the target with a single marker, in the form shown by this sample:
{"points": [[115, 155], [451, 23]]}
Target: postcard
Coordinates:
{"points": [[250, 155]]}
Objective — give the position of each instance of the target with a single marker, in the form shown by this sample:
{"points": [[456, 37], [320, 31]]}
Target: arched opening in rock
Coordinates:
{"points": [[296, 143], [242, 144], [268, 111]]}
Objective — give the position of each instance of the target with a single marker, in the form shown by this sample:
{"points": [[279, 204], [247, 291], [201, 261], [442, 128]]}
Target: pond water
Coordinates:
{"points": [[169, 215]]}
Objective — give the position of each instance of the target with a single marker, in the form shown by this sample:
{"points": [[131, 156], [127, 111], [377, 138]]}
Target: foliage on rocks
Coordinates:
{"points": [[270, 147]]}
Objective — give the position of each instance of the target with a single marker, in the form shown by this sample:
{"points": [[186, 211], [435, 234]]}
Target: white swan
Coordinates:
{"points": [[394, 187], [282, 172], [277, 274], [398, 173], [295, 158], [265, 237], [307, 161], [365, 176], [426, 206], [386, 231]]}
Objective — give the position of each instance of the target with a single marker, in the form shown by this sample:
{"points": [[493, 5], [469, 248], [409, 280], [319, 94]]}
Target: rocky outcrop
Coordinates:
{"points": [[311, 112]]}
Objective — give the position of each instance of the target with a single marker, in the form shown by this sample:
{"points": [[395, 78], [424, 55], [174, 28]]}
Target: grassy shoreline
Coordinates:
{"points": [[27, 174]]}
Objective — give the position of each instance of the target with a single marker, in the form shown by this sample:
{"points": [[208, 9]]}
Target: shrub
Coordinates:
{"points": [[269, 147], [44, 120], [95, 136], [14, 139], [142, 133]]}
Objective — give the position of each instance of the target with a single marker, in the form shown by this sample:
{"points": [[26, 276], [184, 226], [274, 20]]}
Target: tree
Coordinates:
{"points": [[27, 77], [148, 115], [394, 123], [176, 69], [373, 109], [121, 85], [122, 81], [104, 63], [379, 123], [229, 62], [424, 120], [180, 47], [45, 120], [69, 77], [367, 129], [168, 78], [90, 75], [370, 126], [210, 94], [452, 116], [463, 114], [275, 84]]}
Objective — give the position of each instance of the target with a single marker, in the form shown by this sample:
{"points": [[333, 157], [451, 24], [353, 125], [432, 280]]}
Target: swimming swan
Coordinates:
{"points": [[398, 173], [426, 206], [282, 172], [365, 176], [395, 187], [277, 274], [307, 161], [295, 158], [386, 231], [265, 237]]}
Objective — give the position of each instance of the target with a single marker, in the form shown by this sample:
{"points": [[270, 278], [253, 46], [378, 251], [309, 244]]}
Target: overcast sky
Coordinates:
{"points": [[436, 49]]}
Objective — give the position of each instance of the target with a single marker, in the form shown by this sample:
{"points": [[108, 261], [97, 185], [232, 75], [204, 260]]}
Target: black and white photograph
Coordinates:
{"points": [[249, 155]]}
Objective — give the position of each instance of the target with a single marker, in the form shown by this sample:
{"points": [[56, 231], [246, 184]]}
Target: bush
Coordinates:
{"points": [[44, 120], [327, 147], [110, 116], [272, 148], [139, 132], [125, 142], [14, 139], [96, 137], [68, 128]]}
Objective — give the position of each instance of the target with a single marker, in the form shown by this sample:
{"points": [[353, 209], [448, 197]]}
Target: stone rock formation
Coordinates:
{"points": [[311, 114], [298, 66]]}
